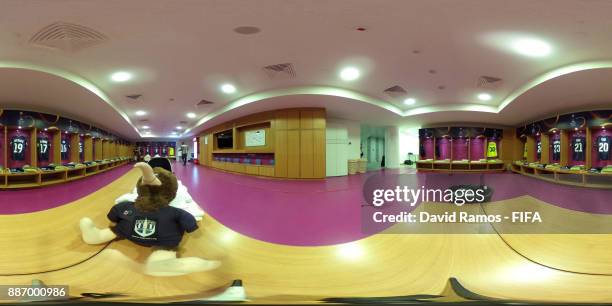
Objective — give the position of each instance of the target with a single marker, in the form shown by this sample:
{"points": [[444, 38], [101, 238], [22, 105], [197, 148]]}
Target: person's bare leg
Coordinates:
{"points": [[165, 263], [93, 235]]}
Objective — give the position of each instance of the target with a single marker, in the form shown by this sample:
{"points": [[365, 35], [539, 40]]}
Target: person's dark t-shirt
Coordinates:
{"points": [[164, 227]]}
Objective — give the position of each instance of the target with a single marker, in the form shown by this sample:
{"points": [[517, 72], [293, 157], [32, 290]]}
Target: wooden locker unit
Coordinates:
{"points": [[74, 148], [588, 148], [33, 147], [531, 149], [545, 155], [57, 147], [565, 143], [88, 147]]}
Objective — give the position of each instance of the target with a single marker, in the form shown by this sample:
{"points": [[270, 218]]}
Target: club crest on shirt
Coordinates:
{"points": [[144, 227]]}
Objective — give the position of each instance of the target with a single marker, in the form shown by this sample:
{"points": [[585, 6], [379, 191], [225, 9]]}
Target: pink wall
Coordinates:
{"points": [[41, 134], [477, 148], [429, 148], [595, 162], [443, 148], [18, 163], [460, 148]]}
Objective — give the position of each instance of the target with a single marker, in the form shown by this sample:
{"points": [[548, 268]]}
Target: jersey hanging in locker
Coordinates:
{"points": [[603, 147], [19, 145], [578, 145], [43, 148], [492, 149]]}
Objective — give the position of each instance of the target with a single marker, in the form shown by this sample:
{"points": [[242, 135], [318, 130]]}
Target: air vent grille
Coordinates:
{"points": [[144, 120], [204, 102], [280, 71], [68, 37], [134, 97], [395, 91], [489, 82], [183, 122]]}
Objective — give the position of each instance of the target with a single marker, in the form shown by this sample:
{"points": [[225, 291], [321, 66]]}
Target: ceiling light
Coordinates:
{"points": [[179, 127], [140, 113], [484, 97], [349, 74], [410, 101], [228, 88], [531, 47], [121, 76], [191, 115], [145, 126]]}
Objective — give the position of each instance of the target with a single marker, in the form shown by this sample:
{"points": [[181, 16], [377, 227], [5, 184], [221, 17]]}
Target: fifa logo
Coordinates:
{"points": [[145, 228]]}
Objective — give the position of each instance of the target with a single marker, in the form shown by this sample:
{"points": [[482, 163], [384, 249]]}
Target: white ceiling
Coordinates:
{"points": [[184, 50]]}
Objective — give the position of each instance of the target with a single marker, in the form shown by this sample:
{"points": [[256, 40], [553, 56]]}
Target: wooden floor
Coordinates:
{"points": [[381, 265]]}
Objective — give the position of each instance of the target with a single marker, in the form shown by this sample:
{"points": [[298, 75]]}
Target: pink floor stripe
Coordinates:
{"points": [[37, 199]]}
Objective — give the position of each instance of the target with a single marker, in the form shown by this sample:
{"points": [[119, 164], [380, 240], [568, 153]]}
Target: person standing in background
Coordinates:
{"points": [[184, 150]]}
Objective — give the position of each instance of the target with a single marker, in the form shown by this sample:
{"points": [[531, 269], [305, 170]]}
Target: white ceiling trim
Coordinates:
{"points": [[345, 93], [300, 90], [551, 75], [73, 78]]}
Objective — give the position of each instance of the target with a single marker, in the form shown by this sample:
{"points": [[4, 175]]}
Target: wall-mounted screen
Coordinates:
{"points": [[225, 140]]}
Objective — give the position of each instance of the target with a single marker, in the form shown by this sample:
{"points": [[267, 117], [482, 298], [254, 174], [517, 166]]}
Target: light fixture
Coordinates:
{"points": [[121, 76], [228, 88], [140, 113], [145, 127], [531, 47], [179, 127], [409, 101], [349, 74], [484, 96], [191, 115]]}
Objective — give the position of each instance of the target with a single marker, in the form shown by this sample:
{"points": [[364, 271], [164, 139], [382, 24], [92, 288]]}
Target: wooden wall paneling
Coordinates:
{"points": [[88, 147], [318, 119], [531, 149], [281, 153], [565, 144], [293, 119], [34, 147], [5, 148], [545, 155], [293, 153], [319, 153], [280, 121], [588, 148], [74, 148], [306, 153], [306, 118], [57, 147]]}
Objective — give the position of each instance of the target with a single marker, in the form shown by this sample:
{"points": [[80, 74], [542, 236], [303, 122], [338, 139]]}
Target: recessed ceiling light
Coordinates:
{"points": [[145, 126], [140, 113], [532, 47], [484, 97], [410, 101], [191, 115], [121, 76], [228, 88], [179, 127], [349, 73]]}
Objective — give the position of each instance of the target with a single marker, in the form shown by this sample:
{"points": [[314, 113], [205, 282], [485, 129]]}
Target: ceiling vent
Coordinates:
{"points": [[134, 98], [280, 71], [144, 120], [67, 37], [489, 82], [183, 122], [204, 102], [395, 91]]}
